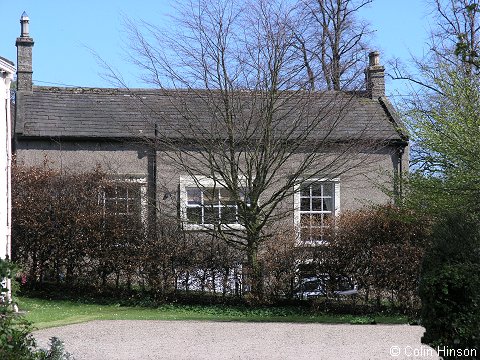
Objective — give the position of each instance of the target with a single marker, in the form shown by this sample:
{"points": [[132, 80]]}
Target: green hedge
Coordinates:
{"points": [[450, 285]]}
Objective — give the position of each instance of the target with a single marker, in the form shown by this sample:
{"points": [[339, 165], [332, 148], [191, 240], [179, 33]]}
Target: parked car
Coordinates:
{"points": [[317, 286], [353, 291], [310, 287], [345, 287]]}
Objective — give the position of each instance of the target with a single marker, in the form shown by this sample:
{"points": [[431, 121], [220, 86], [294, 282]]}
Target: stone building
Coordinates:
{"points": [[132, 133]]}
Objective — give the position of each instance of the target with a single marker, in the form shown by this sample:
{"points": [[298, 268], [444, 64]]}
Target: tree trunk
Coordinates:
{"points": [[225, 281], [255, 280]]}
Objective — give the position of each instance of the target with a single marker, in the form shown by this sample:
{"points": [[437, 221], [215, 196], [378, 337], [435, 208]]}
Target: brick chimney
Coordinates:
{"points": [[375, 76], [24, 45]]}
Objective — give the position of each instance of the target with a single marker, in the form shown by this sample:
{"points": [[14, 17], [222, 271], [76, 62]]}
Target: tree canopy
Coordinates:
{"points": [[443, 112]]}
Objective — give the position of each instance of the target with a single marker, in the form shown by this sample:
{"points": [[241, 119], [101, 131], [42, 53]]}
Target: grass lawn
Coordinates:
{"points": [[50, 313]]}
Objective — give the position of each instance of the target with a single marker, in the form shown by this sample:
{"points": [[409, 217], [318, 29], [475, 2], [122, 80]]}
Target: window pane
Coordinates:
{"points": [[122, 206], [194, 196], [229, 215], [110, 206], [328, 204], [110, 192], [327, 189], [226, 198], [317, 204], [134, 191], [116, 200], [317, 189], [225, 195], [194, 215], [210, 215], [210, 196], [305, 204], [134, 199], [305, 190], [134, 205]]}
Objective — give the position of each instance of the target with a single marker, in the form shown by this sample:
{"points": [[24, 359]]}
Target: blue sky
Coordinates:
{"points": [[65, 33]]}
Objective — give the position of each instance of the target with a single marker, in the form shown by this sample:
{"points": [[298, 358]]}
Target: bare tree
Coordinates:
{"points": [[332, 42], [453, 54], [456, 40], [232, 108], [454, 44]]}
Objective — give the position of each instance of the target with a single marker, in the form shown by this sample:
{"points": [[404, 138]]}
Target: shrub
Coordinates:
{"points": [[56, 351], [450, 285], [67, 231], [279, 258], [16, 339], [18, 343], [380, 249], [64, 230]]}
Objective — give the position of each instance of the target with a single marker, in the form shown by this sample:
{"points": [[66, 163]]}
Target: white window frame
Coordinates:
{"points": [[143, 195], [298, 211], [200, 182]]}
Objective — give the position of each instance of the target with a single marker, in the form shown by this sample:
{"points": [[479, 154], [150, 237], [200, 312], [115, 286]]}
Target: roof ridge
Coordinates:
{"points": [[97, 90]]}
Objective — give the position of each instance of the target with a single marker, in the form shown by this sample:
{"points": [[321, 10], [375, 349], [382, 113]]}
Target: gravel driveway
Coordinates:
{"points": [[122, 340]]}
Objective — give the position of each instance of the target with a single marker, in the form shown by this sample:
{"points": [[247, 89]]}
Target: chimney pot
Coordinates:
{"points": [[374, 58], [24, 21]]}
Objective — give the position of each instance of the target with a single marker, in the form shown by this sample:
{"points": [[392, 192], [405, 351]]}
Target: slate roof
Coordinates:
{"points": [[114, 113]]}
